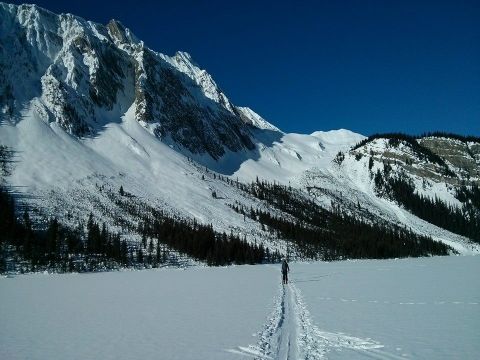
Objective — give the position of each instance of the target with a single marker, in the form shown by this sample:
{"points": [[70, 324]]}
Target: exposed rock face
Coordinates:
{"points": [[461, 155], [165, 95], [86, 74], [436, 158]]}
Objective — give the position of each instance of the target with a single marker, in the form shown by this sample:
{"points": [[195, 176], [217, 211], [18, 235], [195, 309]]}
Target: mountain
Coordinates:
{"points": [[86, 74], [88, 109]]}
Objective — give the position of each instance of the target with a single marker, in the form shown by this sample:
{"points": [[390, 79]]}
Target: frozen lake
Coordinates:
{"points": [[416, 308], [413, 308]]}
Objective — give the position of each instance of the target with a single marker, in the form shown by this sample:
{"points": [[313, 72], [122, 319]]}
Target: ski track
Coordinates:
{"points": [[410, 302], [290, 334]]}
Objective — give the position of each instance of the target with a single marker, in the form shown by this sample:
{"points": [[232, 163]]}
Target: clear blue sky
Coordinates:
{"points": [[368, 66]]}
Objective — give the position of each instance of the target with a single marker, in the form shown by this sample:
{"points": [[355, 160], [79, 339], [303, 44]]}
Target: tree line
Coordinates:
{"points": [[91, 246], [203, 243], [54, 246], [441, 134], [469, 196], [319, 233], [463, 221]]}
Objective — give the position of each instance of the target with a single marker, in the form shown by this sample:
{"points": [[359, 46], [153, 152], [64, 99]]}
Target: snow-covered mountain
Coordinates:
{"points": [[86, 75], [89, 108]]}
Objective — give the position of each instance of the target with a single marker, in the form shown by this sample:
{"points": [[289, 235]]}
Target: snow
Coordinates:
{"points": [[339, 137], [61, 174], [169, 314], [53, 165], [256, 120], [415, 308], [184, 63], [424, 308], [285, 157]]}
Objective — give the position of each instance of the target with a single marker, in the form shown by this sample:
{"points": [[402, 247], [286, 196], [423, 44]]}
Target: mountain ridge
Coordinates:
{"points": [[101, 111], [84, 73]]}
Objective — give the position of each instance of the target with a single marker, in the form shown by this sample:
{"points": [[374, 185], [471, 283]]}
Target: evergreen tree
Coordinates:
{"points": [[52, 239]]}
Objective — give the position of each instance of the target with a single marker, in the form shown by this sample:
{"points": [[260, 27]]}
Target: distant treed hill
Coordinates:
{"points": [[317, 233], [463, 221], [447, 135]]}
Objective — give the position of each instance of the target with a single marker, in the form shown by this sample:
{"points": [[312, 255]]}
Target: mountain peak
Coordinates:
{"points": [[119, 33], [84, 75], [184, 62], [185, 55], [251, 117]]}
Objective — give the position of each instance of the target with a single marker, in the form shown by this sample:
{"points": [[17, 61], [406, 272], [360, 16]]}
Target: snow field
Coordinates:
{"points": [[425, 308], [164, 314], [394, 309]]}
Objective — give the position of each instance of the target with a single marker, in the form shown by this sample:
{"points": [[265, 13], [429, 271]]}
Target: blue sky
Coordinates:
{"points": [[368, 66]]}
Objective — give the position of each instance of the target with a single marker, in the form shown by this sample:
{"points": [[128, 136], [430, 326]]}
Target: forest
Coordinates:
{"points": [[463, 221], [311, 231], [92, 247], [48, 244], [317, 233]]}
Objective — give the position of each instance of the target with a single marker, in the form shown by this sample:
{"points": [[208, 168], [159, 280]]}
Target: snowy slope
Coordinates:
{"points": [[96, 109], [283, 157], [65, 175]]}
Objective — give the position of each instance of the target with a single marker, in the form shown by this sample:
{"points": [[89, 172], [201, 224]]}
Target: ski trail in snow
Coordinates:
{"points": [[279, 339], [287, 334], [314, 343], [266, 345], [290, 334]]}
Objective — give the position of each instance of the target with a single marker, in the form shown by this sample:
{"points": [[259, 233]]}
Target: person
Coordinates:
{"points": [[285, 270]]}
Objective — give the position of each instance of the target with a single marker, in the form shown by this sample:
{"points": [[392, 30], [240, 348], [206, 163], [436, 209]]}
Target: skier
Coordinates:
{"points": [[285, 270]]}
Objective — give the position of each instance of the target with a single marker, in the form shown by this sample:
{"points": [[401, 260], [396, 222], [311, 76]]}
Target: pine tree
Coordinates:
{"points": [[28, 235], [52, 238]]}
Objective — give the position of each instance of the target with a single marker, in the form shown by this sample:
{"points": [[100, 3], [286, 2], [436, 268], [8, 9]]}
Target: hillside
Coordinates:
{"points": [[88, 109]]}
